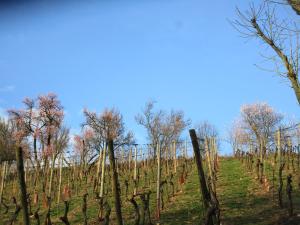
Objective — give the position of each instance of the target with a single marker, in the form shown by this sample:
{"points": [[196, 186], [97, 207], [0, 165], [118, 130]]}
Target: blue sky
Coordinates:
{"points": [[95, 54]]}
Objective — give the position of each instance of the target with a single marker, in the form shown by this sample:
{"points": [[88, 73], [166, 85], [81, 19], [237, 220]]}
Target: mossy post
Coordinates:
{"points": [[22, 185]]}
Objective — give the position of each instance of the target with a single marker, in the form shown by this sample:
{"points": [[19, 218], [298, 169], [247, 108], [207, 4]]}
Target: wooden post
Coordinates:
{"points": [[115, 183], [201, 176], [60, 177], [98, 169], [158, 151], [135, 168], [51, 175], [4, 168], [143, 158], [167, 158], [22, 185], [261, 149], [175, 158], [123, 158], [129, 160], [208, 158], [25, 169], [279, 147], [102, 171]]}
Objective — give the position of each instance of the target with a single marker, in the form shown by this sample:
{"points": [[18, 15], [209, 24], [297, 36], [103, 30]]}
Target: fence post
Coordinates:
{"points": [[158, 184], [22, 185]]}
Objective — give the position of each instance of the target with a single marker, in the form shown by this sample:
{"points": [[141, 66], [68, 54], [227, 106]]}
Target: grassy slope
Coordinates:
{"points": [[242, 201], [245, 201]]}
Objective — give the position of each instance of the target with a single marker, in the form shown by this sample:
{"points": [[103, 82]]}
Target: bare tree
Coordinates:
{"points": [[162, 128], [279, 34], [7, 143], [206, 130]]}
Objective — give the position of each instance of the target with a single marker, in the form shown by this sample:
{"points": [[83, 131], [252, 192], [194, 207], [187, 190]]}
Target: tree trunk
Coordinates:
{"points": [[115, 182], [22, 185]]}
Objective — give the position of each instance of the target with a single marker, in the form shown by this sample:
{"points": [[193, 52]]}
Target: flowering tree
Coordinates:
{"points": [[260, 121], [238, 136], [51, 114], [28, 124], [84, 146]]}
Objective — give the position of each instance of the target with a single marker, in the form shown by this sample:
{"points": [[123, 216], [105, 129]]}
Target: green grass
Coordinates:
{"points": [[242, 201]]}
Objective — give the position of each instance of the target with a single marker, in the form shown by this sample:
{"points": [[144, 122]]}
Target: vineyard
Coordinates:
{"points": [[104, 177], [144, 112]]}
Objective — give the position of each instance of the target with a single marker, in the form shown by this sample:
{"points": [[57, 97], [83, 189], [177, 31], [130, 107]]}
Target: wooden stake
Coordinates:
{"points": [[135, 168], [60, 177], [175, 158], [102, 171], [158, 150]]}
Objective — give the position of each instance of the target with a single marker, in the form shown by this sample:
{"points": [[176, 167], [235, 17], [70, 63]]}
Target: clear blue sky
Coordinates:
{"points": [[182, 53]]}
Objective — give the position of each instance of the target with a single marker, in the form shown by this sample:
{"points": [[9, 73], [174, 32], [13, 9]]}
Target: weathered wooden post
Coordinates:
{"points": [[115, 182], [22, 185], [158, 153], [51, 175], [129, 160], [135, 168], [289, 190], [60, 177], [98, 176], [203, 186], [208, 157], [3, 177], [175, 158], [102, 171], [280, 168]]}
